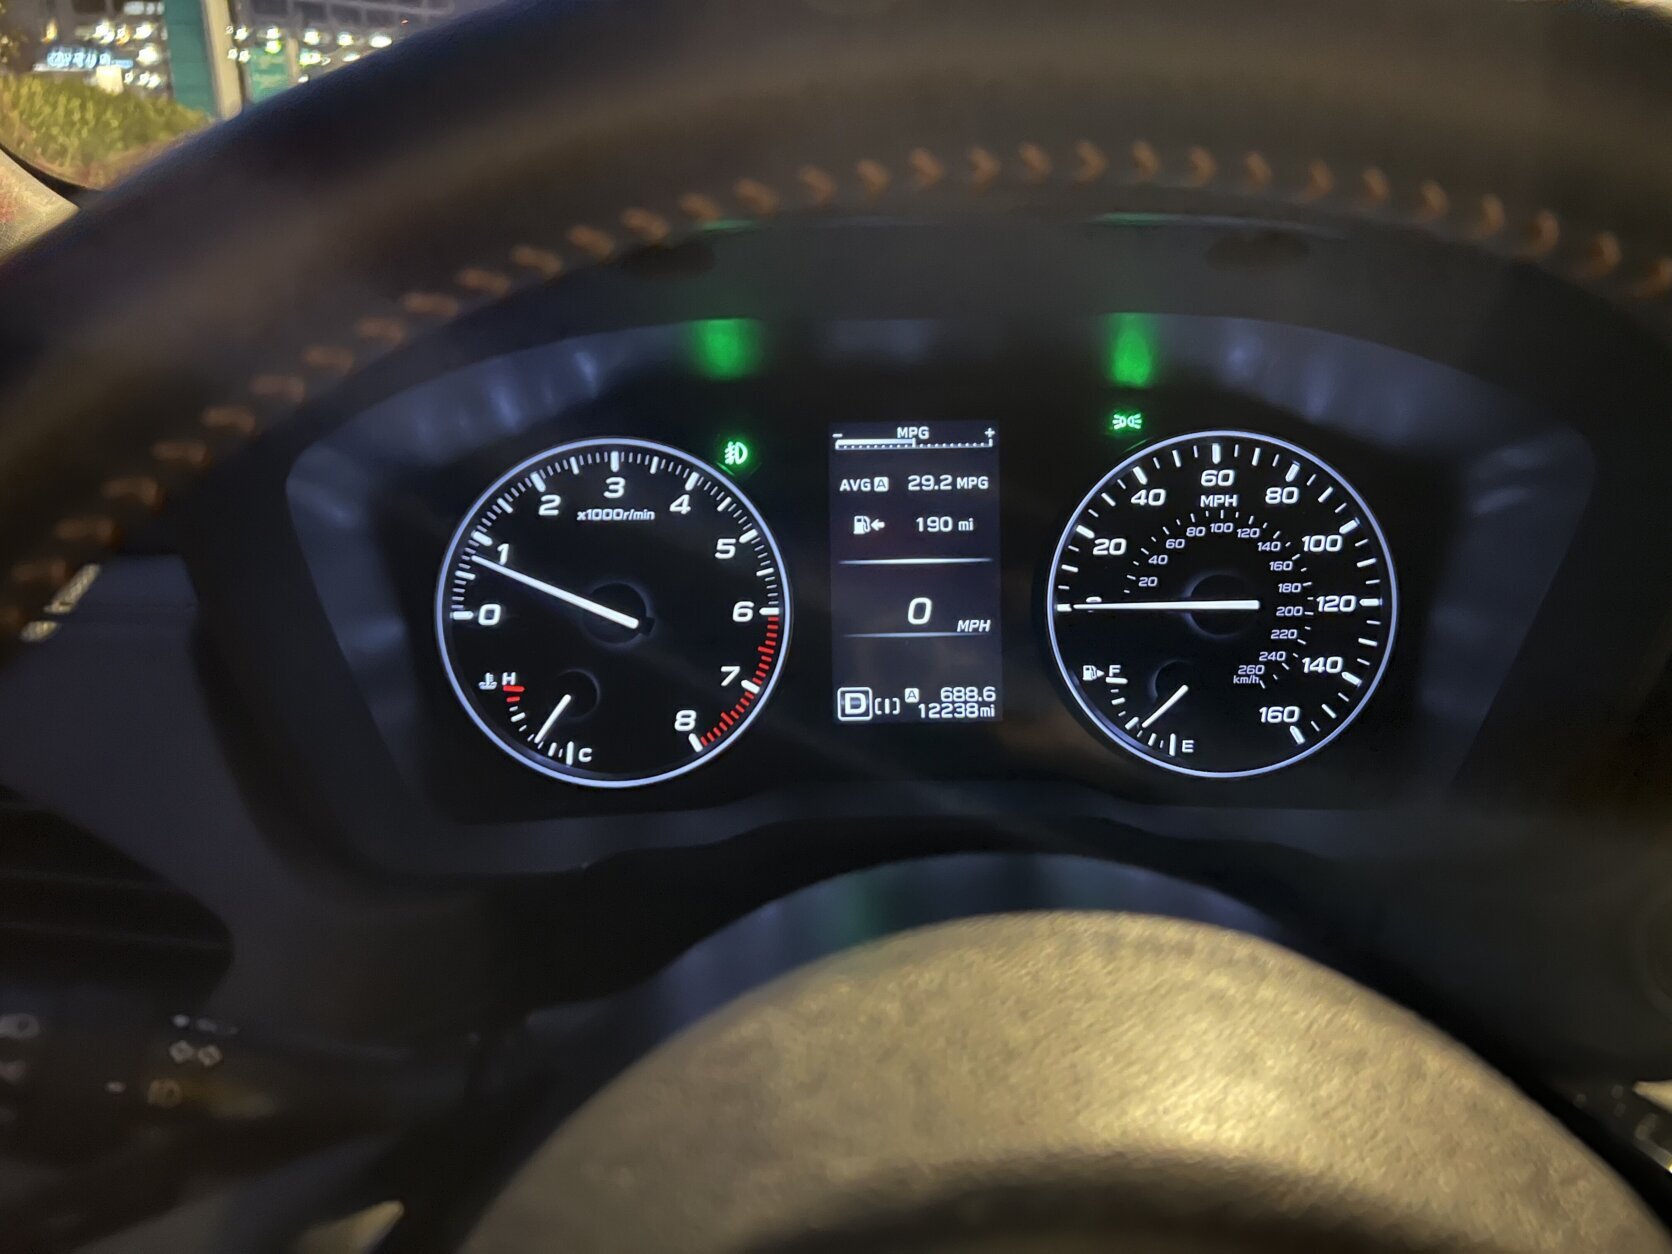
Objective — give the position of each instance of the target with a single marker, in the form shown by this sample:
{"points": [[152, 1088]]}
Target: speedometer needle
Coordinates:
{"points": [[1164, 605], [569, 598]]}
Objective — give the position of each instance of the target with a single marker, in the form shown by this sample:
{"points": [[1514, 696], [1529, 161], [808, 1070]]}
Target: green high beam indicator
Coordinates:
{"points": [[726, 348], [1130, 350]]}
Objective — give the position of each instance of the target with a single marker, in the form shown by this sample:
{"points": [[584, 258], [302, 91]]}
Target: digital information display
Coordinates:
{"points": [[914, 562]]}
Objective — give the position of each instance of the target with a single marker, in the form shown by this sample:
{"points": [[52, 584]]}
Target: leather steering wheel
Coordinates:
{"points": [[208, 298], [1061, 1083], [250, 272]]}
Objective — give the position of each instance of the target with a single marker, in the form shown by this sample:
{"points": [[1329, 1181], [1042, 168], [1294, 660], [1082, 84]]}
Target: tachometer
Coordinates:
{"points": [[613, 612], [1222, 604]]}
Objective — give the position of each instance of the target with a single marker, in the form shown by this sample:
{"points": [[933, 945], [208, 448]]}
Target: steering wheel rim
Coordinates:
{"points": [[263, 263], [1064, 1081], [267, 260]]}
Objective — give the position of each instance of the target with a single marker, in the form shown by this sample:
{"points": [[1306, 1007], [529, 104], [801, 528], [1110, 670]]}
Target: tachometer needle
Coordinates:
{"points": [[1166, 705], [540, 736], [569, 598], [1164, 605]]}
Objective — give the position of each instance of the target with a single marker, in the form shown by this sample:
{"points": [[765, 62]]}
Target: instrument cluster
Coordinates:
{"points": [[1139, 530], [675, 583], [615, 612]]}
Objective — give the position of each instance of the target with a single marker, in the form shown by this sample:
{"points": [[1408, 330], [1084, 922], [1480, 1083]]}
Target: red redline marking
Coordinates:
{"points": [[767, 649]]}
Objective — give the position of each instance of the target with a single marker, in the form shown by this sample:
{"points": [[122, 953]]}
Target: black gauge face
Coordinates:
{"points": [[1222, 604], [613, 613]]}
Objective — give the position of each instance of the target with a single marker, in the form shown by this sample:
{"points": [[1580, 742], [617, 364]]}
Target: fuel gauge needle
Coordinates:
{"points": [[557, 710], [1166, 705]]}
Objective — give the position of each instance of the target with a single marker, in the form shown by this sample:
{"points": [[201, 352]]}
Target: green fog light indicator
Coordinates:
{"points": [[1126, 422], [736, 455], [1130, 350], [727, 348]]}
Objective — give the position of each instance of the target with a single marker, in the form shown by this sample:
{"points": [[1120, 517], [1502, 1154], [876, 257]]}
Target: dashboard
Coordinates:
{"points": [[1161, 565], [903, 571], [629, 604], [476, 605]]}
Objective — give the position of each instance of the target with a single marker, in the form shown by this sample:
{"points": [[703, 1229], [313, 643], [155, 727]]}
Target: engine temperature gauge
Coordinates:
{"points": [[1222, 604]]}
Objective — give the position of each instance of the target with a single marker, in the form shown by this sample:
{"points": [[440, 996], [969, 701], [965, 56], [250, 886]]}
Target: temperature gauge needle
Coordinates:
{"points": [[567, 597], [557, 710]]}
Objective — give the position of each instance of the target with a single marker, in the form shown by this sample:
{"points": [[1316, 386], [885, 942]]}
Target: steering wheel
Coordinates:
{"points": [[248, 274]]}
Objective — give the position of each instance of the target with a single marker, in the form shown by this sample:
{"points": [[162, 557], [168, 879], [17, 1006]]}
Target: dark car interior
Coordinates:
{"points": [[810, 625]]}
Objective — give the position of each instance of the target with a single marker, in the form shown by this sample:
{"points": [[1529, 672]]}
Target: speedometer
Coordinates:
{"points": [[1222, 604], [613, 612]]}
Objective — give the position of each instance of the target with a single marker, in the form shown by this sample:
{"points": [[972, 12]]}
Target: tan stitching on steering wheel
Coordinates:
{"points": [[78, 536]]}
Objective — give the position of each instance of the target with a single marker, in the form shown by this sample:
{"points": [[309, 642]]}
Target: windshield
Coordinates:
{"points": [[91, 89]]}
